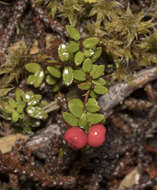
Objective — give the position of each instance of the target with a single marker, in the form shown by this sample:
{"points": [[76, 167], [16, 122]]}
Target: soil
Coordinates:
{"points": [[128, 158]]}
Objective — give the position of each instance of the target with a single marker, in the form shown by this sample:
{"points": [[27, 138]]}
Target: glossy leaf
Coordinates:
{"points": [[76, 107], [83, 120], [36, 112], [68, 75], [36, 79], [73, 47], [97, 54], [95, 118], [34, 100], [99, 89], [79, 75], [50, 80], [32, 67], [90, 42], [92, 105], [85, 85], [79, 58], [73, 33], [27, 96], [31, 79], [88, 52], [87, 65], [97, 71], [55, 72], [39, 77], [70, 119], [63, 53]]}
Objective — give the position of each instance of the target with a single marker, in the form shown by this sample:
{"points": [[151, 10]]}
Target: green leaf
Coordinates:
{"points": [[15, 116], [36, 112], [55, 88], [92, 94], [32, 67], [70, 119], [87, 65], [31, 79], [79, 75], [92, 105], [63, 53], [90, 42], [19, 94], [97, 71], [88, 52], [95, 118], [73, 47], [99, 89], [83, 120], [34, 100], [12, 103], [73, 33], [39, 77], [97, 54], [68, 75], [78, 59], [76, 107], [100, 81], [27, 96], [85, 85], [36, 79], [20, 107], [55, 72], [50, 80]]}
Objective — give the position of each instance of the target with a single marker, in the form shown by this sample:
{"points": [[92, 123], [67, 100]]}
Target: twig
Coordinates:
{"points": [[53, 24], [118, 92], [51, 107], [19, 8], [43, 137]]}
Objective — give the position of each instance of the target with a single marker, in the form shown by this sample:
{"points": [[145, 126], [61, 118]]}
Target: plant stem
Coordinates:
{"points": [[51, 107]]}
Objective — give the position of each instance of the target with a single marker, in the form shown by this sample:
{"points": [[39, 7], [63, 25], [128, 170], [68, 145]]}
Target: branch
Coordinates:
{"points": [[53, 24], [18, 10], [118, 92]]}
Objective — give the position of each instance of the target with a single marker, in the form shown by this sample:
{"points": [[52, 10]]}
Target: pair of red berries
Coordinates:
{"points": [[77, 138]]}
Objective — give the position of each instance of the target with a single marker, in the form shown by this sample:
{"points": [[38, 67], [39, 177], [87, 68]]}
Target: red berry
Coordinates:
{"points": [[97, 135], [75, 137]]}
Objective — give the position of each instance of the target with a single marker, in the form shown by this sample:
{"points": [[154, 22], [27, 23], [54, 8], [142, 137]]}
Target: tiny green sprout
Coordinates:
{"points": [[16, 106]]}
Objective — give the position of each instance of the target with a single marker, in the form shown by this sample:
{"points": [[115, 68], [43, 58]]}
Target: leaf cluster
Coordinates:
{"points": [[83, 115], [24, 103]]}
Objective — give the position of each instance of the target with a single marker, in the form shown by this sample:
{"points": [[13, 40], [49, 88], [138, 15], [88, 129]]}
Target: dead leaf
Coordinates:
{"points": [[35, 48], [130, 179], [7, 142]]}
